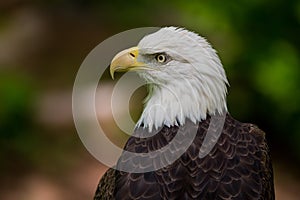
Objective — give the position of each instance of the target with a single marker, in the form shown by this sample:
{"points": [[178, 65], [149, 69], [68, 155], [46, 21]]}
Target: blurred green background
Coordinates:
{"points": [[42, 44]]}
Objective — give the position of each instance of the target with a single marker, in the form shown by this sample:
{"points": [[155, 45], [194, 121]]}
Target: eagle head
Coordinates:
{"points": [[185, 77]]}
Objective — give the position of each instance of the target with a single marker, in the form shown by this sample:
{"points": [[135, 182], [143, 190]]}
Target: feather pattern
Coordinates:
{"points": [[238, 167]]}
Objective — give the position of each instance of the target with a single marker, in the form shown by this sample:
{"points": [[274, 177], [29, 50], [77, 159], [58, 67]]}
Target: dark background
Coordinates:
{"points": [[42, 44]]}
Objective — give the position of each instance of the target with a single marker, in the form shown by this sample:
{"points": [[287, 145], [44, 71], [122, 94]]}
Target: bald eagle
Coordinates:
{"points": [[187, 90]]}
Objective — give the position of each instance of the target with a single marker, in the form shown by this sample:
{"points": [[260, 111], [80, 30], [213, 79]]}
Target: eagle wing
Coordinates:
{"points": [[106, 186], [238, 167], [266, 175]]}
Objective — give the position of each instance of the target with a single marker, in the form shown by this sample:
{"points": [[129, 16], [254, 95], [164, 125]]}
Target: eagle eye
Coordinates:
{"points": [[161, 58]]}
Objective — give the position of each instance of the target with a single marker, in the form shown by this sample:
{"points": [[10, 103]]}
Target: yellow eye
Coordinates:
{"points": [[161, 58]]}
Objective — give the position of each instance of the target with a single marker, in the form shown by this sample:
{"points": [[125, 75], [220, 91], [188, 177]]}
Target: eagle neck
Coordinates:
{"points": [[171, 105]]}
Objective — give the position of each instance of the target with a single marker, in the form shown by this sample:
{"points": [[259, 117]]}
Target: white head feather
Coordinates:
{"points": [[191, 84]]}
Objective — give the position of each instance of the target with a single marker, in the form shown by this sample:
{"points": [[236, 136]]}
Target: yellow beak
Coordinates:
{"points": [[125, 60]]}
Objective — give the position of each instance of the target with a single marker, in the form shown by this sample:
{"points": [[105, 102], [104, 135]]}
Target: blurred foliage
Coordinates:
{"points": [[258, 42], [15, 105]]}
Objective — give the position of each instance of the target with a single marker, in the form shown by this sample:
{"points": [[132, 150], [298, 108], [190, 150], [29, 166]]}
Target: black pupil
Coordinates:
{"points": [[161, 58]]}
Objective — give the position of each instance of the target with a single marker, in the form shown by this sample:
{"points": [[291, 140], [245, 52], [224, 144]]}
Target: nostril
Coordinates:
{"points": [[132, 55]]}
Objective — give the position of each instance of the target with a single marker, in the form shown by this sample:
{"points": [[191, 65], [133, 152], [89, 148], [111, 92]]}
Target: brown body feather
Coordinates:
{"points": [[238, 167]]}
